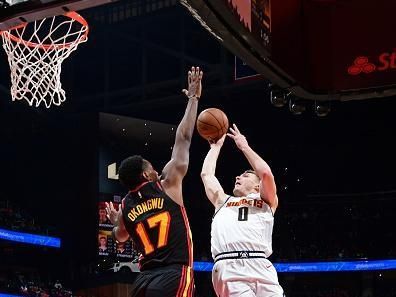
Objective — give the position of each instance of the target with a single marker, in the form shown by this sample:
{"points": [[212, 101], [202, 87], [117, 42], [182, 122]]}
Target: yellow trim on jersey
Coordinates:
{"points": [[188, 281]]}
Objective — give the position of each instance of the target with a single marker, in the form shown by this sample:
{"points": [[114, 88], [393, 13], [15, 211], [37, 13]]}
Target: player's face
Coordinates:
{"points": [[150, 173], [245, 184]]}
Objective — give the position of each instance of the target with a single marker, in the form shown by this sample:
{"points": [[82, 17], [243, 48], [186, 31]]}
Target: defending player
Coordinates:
{"points": [[153, 214]]}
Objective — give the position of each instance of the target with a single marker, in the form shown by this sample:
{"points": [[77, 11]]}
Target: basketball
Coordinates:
{"points": [[212, 124]]}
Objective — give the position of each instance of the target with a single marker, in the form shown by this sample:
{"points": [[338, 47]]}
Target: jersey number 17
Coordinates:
{"points": [[162, 221]]}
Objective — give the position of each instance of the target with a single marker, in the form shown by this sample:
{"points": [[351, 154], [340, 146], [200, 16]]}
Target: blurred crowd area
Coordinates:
{"points": [[334, 230], [32, 284], [16, 218]]}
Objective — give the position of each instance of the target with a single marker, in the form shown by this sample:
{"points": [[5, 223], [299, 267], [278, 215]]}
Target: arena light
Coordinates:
{"points": [[296, 107], [339, 266], [322, 109], [278, 97], [30, 238]]}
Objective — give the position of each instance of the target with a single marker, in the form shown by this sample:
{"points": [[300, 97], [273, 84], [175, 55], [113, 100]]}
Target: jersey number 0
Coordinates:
{"points": [[243, 213], [162, 221]]}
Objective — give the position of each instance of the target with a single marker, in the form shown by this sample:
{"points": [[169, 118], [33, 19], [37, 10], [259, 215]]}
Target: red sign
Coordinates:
{"points": [[385, 61]]}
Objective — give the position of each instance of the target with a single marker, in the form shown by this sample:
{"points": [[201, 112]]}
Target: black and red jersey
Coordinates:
{"points": [[158, 226]]}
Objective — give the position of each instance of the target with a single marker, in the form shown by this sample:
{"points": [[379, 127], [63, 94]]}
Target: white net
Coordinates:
{"points": [[35, 53]]}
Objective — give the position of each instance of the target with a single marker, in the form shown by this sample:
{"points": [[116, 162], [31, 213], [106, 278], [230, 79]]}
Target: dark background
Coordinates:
{"points": [[335, 175]]}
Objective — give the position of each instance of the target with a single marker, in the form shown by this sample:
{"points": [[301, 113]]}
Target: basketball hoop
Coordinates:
{"points": [[36, 51]]}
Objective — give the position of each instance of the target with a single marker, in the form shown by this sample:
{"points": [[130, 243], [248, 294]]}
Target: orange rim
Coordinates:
{"points": [[72, 14]]}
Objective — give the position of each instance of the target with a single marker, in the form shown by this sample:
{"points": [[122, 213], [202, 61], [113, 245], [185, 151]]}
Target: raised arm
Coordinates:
{"points": [[175, 170], [214, 191], [262, 169]]}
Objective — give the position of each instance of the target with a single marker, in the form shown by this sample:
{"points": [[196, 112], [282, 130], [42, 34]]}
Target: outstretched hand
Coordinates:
{"points": [[240, 139], [112, 213], [194, 83]]}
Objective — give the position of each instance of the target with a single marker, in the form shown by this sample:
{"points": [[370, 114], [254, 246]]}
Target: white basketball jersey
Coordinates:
{"points": [[242, 224]]}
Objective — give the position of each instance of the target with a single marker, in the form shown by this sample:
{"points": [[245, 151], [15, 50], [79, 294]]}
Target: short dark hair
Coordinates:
{"points": [[251, 171], [130, 171]]}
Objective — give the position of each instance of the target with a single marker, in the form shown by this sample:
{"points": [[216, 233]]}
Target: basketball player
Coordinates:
{"points": [[153, 215], [241, 236]]}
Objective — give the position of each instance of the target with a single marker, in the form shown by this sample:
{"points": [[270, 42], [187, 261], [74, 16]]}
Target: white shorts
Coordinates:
{"points": [[255, 277]]}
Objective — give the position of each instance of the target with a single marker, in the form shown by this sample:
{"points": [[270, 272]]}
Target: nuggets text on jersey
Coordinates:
{"points": [[249, 202]]}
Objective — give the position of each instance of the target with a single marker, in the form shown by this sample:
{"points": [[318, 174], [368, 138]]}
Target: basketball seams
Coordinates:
{"points": [[214, 122], [205, 123], [222, 126], [225, 123], [209, 135], [209, 112]]}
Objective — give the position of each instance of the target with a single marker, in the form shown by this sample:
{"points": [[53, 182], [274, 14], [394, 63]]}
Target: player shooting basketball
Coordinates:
{"points": [[242, 225], [153, 214]]}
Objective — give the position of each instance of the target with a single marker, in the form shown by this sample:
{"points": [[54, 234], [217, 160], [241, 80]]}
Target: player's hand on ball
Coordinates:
{"points": [[240, 139], [194, 83], [112, 213], [219, 143]]}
